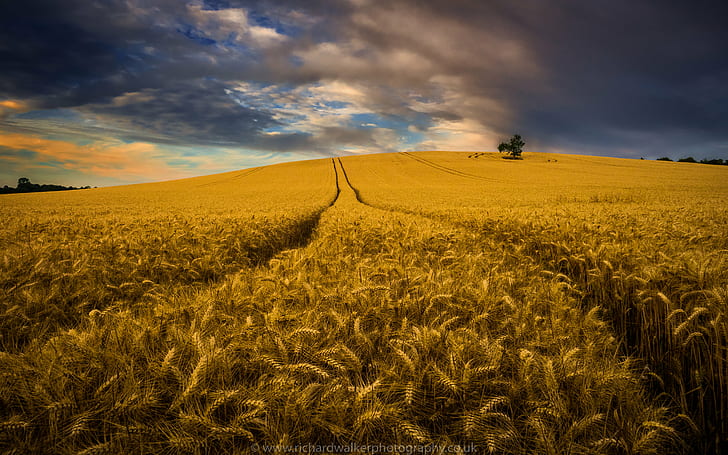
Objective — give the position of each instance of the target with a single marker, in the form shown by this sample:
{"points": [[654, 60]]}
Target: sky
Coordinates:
{"points": [[106, 92]]}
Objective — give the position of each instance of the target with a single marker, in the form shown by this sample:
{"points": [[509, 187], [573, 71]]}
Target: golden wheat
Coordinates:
{"points": [[517, 306]]}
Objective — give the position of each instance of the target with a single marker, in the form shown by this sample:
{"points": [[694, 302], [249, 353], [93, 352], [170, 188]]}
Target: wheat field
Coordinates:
{"points": [[431, 301]]}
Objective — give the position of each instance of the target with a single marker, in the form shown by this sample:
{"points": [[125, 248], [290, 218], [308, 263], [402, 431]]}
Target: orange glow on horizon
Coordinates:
{"points": [[112, 158]]}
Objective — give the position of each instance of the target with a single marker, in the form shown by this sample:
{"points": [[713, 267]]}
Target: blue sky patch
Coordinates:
{"points": [[196, 35]]}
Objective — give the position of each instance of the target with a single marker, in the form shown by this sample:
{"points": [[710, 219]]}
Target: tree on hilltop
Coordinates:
{"points": [[513, 148]]}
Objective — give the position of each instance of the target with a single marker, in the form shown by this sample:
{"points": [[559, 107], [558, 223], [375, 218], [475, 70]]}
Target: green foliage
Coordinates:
{"points": [[664, 158], [513, 148], [717, 161]]}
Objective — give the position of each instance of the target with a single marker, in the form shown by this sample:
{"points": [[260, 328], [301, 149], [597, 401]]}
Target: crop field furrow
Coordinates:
{"points": [[418, 309], [236, 176], [445, 169]]}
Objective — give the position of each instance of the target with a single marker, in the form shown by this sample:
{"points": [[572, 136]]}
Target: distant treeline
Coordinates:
{"points": [[24, 186], [690, 159]]}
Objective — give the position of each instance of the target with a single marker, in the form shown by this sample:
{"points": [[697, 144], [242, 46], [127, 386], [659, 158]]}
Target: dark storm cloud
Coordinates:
{"points": [[567, 74], [590, 73], [627, 68], [43, 56], [66, 54], [322, 142], [190, 113], [207, 113]]}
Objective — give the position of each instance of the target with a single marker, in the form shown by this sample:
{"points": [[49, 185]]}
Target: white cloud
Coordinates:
{"points": [[465, 135], [233, 23]]}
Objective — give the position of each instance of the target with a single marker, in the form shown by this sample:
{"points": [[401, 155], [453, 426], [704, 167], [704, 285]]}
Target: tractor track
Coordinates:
{"points": [[234, 177], [348, 182], [445, 169], [357, 194], [307, 227]]}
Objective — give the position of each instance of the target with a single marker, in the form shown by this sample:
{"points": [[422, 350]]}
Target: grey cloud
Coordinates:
{"points": [[87, 51], [593, 76], [329, 139], [444, 115], [206, 114], [192, 113]]}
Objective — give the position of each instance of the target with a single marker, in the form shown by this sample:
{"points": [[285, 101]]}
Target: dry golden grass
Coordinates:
{"points": [[575, 306], [645, 243], [65, 254]]}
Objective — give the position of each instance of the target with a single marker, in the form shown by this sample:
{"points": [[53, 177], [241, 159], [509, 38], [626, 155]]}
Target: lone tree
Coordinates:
{"points": [[24, 184], [513, 148]]}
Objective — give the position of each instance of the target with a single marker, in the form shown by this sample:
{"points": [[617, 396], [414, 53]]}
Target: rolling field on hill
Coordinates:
{"points": [[559, 304]]}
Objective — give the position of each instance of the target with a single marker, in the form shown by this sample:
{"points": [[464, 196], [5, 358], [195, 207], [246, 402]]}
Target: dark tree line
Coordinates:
{"points": [[24, 186], [690, 159]]}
